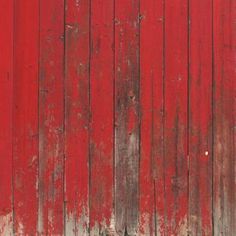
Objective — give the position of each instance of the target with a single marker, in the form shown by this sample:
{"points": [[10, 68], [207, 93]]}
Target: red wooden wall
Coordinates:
{"points": [[117, 117]]}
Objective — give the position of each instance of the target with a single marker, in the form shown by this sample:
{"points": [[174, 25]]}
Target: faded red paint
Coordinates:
{"points": [[101, 116], [6, 106], [152, 200], [117, 117], [25, 116], [200, 117], [224, 102], [175, 112], [51, 118], [76, 117]]}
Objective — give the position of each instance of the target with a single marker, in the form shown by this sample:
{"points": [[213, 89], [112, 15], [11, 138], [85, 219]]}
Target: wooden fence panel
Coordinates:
{"points": [[117, 118]]}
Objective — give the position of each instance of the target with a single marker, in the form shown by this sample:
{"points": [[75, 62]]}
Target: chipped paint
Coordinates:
{"points": [[117, 117], [182, 227], [75, 225], [6, 225]]}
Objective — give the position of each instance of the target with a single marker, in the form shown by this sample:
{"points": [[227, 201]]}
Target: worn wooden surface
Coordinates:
{"points": [[117, 117]]}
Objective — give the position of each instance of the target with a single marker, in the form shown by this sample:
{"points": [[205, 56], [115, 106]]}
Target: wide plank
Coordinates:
{"points": [[224, 167], [77, 57], [6, 108], [151, 195], [200, 117], [51, 118], [102, 117], [25, 116], [176, 118]]}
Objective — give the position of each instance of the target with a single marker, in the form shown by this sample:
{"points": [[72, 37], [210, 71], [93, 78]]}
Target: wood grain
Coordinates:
{"points": [[51, 118], [117, 117], [200, 118], [127, 128], [175, 124], [77, 54], [224, 177], [151, 181]]}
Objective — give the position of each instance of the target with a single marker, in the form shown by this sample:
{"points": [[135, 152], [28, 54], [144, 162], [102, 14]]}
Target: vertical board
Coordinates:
{"points": [[77, 117], [51, 118], [6, 106], [101, 123], [200, 118], [175, 131], [126, 115], [25, 116], [224, 175], [151, 196]]}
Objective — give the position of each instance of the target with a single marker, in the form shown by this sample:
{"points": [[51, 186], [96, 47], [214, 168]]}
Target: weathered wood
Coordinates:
{"points": [[151, 197], [77, 117], [117, 117], [200, 117], [51, 118], [101, 123], [126, 116], [6, 107], [175, 123], [224, 176], [25, 116]]}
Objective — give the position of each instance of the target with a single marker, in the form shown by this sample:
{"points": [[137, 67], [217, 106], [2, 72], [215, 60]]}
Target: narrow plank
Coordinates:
{"points": [[200, 118], [51, 118], [224, 188], [25, 116], [151, 220], [101, 136], [6, 106], [175, 131], [126, 116], [77, 117]]}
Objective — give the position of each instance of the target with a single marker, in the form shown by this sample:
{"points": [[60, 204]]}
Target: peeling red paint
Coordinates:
{"points": [[117, 117]]}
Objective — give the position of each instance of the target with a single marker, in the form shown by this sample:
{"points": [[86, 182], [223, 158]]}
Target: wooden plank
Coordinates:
{"points": [[6, 106], [101, 132], [224, 188], [25, 116], [151, 98], [200, 118], [51, 118], [77, 117], [126, 116], [175, 131]]}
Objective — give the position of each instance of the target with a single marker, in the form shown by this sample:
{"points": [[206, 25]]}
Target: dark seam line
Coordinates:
{"points": [[213, 121], [164, 109], [64, 122], [139, 105], [12, 128], [188, 116], [114, 119], [89, 115], [39, 75]]}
